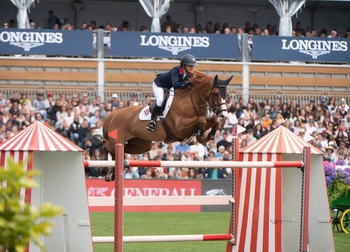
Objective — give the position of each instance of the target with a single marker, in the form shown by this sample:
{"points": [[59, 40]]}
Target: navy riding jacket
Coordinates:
{"points": [[173, 78]]}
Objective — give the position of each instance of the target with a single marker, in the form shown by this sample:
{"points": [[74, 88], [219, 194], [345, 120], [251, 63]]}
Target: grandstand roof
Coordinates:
{"points": [[310, 4], [38, 137], [280, 140]]}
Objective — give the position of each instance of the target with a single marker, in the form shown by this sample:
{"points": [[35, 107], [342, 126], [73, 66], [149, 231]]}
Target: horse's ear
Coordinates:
{"points": [[216, 79], [227, 81]]}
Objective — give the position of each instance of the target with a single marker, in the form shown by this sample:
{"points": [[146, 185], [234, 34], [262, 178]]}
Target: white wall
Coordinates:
{"points": [[116, 13]]}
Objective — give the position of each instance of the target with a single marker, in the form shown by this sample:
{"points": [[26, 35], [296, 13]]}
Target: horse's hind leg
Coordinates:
{"points": [[108, 154]]}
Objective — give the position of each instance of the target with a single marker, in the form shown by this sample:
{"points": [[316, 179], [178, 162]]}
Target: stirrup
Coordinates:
{"points": [[151, 125]]}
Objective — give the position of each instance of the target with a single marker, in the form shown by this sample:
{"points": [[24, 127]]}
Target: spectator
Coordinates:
{"points": [[24, 98], [67, 121], [258, 131], [115, 101], [85, 99], [215, 173], [182, 147], [220, 152], [192, 174], [55, 108], [93, 107], [39, 117], [223, 142], [125, 26], [15, 108], [103, 112], [53, 20], [273, 111], [243, 144], [5, 25], [148, 174], [180, 28], [184, 173], [39, 104], [209, 27], [83, 133], [144, 28], [310, 127], [95, 140], [26, 122], [60, 115], [74, 130], [12, 24], [170, 23], [299, 29], [250, 138], [14, 98], [302, 117], [159, 173], [199, 148]]}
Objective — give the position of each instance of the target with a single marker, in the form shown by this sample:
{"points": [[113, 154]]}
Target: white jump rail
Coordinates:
{"points": [[165, 238]]}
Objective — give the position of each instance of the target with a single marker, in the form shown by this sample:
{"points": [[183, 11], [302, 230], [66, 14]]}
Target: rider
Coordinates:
{"points": [[177, 77]]}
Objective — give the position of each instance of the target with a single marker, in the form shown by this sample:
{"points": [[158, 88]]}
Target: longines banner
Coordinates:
{"points": [[300, 49], [165, 45], [46, 42]]}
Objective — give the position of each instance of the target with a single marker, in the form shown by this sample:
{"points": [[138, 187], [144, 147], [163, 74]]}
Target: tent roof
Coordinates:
{"points": [[280, 140], [38, 137]]}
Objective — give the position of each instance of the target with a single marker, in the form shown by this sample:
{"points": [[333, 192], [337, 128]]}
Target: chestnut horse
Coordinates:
{"points": [[188, 116]]}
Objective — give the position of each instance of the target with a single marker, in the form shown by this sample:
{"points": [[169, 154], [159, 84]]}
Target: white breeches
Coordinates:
{"points": [[158, 93]]}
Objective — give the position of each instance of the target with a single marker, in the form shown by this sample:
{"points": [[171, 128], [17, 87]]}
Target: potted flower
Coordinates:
{"points": [[337, 180]]}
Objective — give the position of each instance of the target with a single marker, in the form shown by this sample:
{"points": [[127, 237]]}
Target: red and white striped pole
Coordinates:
{"points": [[219, 164]]}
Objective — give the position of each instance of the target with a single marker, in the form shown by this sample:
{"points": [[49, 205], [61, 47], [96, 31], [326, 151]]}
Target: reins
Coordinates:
{"points": [[215, 109]]}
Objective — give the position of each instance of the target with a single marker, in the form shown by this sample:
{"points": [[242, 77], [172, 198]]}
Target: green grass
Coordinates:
{"points": [[171, 224]]}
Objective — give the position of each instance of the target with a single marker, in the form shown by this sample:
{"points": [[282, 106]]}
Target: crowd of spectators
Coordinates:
{"points": [[169, 26], [325, 124]]}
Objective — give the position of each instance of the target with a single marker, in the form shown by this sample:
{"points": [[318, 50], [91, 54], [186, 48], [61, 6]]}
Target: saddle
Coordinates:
{"points": [[169, 135]]}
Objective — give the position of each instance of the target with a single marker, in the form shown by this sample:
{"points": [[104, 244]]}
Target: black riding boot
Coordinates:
{"points": [[152, 124]]}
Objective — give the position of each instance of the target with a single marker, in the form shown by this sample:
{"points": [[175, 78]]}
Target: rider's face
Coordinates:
{"points": [[188, 68]]}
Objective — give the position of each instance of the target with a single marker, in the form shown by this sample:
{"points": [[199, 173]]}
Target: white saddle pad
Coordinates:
{"points": [[145, 114]]}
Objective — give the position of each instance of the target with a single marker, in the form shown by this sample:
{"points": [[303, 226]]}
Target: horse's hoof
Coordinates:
{"points": [[109, 177], [192, 140], [102, 170]]}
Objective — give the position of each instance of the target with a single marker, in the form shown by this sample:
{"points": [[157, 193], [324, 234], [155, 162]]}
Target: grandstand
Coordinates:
{"points": [[59, 75]]}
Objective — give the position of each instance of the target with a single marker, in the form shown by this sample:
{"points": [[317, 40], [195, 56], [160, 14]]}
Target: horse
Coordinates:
{"points": [[187, 117]]}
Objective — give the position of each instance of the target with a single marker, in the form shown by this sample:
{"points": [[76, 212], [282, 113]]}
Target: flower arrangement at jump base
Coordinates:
{"points": [[337, 179]]}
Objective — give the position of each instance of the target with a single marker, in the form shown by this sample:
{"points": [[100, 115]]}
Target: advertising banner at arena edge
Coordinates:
{"points": [[174, 45], [46, 42], [169, 187], [306, 49]]}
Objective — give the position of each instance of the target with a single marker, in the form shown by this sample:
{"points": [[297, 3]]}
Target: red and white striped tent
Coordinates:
{"points": [[268, 200], [62, 182]]}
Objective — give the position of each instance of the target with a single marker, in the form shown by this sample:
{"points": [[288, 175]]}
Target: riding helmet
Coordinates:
{"points": [[188, 59]]}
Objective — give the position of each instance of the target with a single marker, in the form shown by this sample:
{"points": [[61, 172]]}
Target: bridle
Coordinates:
{"points": [[216, 109]]}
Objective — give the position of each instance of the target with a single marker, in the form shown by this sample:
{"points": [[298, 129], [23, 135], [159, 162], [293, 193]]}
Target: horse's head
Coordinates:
{"points": [[218, 93], [212, 91]]}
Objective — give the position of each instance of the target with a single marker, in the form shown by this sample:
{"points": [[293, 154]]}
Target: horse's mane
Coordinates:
{"points": [[202, 78]]}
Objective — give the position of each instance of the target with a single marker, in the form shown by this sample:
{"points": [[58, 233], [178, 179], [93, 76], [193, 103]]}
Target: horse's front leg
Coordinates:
{"points": [[197, 123], [212, 123]]}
